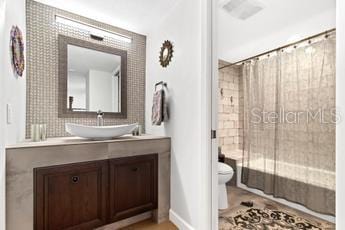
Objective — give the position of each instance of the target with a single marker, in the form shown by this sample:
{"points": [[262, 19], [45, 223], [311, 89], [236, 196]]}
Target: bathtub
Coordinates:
{"points": [[327, 180]]}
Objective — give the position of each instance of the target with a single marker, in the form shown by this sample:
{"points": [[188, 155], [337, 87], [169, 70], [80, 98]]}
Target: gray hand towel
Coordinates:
{"points": [[159, 108]]}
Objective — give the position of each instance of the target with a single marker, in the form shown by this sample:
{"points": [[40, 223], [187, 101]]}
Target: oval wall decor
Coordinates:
{"points": [[17, 50], [166, 53]]}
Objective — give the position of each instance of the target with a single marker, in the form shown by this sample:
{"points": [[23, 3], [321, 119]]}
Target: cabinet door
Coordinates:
{"points": [[71, 196], [133, 186]]}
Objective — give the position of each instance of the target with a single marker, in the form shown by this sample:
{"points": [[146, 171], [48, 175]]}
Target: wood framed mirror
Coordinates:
{"points": [[92, 77]]}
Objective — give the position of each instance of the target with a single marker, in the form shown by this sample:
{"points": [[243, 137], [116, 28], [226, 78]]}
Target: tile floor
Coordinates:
{"points": [[150, 225]]}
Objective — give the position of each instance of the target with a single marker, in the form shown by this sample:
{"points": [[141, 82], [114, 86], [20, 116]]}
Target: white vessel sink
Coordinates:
{"points": [[99, 132]]}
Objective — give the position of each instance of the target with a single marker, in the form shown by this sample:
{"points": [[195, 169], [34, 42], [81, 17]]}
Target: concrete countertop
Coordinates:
{"points": [[63, 141]]}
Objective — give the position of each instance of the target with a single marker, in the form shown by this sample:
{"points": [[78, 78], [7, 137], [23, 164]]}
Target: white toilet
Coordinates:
{"points": [[225, 173]]}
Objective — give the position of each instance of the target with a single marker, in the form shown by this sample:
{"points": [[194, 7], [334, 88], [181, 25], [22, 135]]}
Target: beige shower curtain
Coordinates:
{"points": [[289, 125]]}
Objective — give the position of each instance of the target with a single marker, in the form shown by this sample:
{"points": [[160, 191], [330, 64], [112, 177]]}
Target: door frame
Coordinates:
{"points": [[340, 129], [214, 115]]}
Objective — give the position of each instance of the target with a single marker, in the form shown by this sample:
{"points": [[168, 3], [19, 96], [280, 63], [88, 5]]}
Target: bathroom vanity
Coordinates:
{"points": [[73, 183]]}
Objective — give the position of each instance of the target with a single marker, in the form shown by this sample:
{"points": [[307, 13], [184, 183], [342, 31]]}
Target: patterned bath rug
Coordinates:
{"points": [[266, 219]]}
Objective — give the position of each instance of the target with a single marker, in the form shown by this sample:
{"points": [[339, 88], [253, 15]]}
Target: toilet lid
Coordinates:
{"points": [[224, 168]]}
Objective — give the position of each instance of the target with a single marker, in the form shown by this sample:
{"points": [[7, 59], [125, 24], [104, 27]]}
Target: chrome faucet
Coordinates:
{"points": [[100, 121]]}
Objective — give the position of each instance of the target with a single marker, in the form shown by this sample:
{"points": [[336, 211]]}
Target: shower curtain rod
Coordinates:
{"points": [[282, 47]]}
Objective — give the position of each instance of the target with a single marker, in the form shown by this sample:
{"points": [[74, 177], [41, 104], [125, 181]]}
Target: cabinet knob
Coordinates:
{"points": [[75, 179], [135, 169]]}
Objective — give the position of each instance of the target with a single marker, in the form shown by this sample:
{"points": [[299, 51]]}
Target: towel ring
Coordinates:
{"points": [[164, 84]]}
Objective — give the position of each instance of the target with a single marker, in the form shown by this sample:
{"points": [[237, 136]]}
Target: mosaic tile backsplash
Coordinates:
{"points": [[42, 69]]}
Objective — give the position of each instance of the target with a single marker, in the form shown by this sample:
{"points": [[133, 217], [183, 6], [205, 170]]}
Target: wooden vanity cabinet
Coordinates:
{"points": [[84, 196], [133, 186], [72, 196]]}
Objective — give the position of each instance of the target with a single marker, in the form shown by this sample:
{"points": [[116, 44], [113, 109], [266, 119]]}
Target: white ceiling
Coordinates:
{"points": [[134, 15], [272, 27], [81, 60]]}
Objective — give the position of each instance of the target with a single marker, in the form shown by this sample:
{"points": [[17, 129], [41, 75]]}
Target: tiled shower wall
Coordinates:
{"points": [[230, 108], [42, 69]]}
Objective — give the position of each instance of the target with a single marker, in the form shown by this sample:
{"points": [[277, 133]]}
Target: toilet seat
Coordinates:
{"points": [[224, 169]]}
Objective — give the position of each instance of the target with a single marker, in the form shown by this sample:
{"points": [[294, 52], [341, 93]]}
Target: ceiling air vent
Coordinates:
{"points": [[242, 9]]}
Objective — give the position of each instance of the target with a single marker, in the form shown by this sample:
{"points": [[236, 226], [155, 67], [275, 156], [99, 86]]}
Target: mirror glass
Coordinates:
{"points": [[165, 53], [93, 81]]}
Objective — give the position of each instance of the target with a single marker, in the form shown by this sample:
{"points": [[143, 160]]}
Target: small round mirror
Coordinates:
{"points": [[166, 53]]}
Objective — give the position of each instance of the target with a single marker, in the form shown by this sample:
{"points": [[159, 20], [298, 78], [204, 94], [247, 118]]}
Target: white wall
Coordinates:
{"points": [[12, 90], [15, 87], [186, 76], [116, 91], [2, 116], [341, 106], [99, 99], [77, 89]]}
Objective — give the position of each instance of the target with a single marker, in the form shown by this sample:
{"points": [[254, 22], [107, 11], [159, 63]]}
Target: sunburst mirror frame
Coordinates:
{"points": [[166, 53]]}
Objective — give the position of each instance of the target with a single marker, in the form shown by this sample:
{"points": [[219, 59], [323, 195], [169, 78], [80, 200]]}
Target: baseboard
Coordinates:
{"points": [[126, 222], [180, 223]]}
